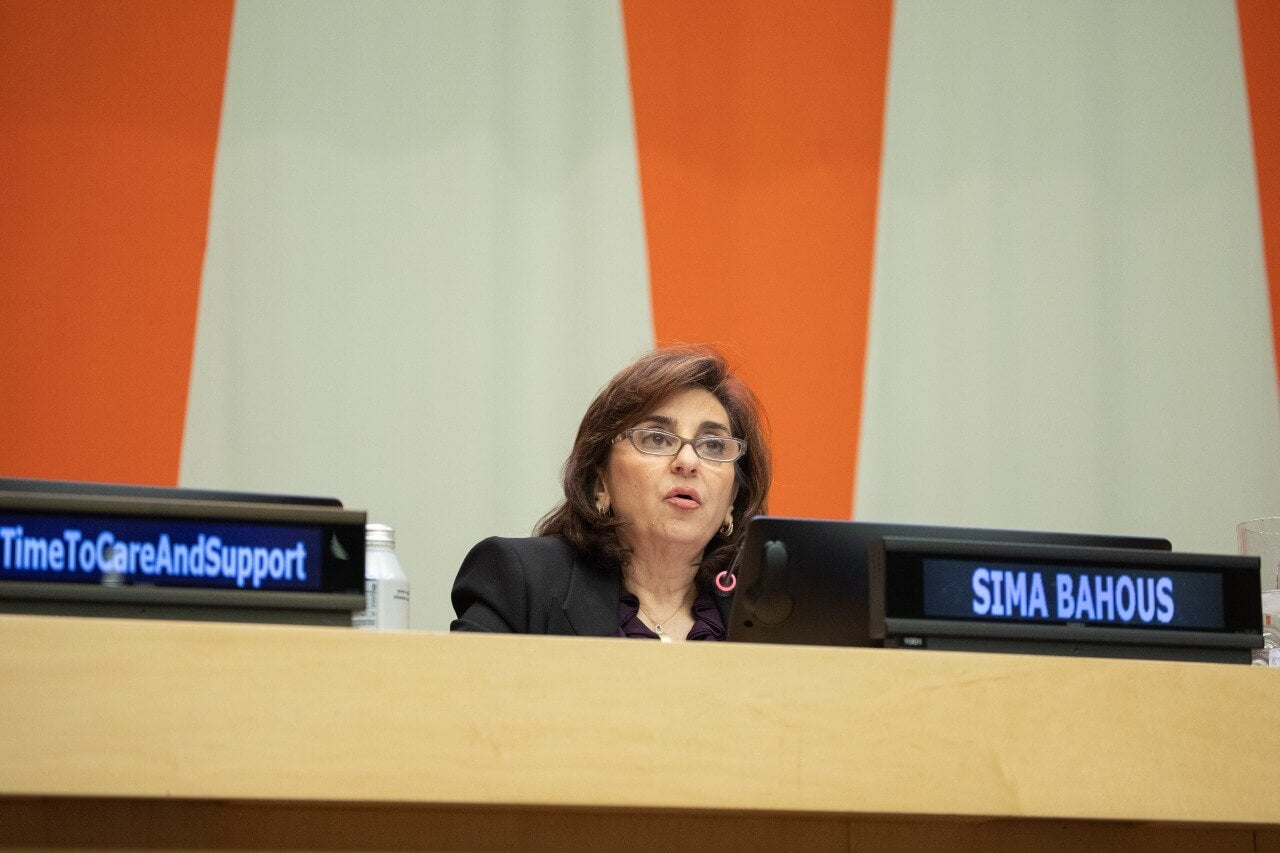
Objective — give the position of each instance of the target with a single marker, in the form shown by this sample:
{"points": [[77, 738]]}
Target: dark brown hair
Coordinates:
{"points": [[634, 393]]}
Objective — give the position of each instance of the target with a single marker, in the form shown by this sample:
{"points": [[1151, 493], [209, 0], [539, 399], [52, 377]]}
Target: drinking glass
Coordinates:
{"points": [[1260, 538]]}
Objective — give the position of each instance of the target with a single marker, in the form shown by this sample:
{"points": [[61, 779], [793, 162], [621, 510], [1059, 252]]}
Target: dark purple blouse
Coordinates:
{"points": [[707, 624]]}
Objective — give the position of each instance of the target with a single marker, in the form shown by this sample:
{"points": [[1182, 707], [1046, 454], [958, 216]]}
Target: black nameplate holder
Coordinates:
{"points": [[159, 554], [1063, 600]]}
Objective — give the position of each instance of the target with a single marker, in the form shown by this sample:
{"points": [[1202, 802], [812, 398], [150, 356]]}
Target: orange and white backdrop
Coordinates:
{"points": [[986, 262]]}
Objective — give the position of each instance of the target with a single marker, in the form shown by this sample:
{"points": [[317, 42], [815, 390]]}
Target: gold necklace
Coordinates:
{"points": [[657, 625]]}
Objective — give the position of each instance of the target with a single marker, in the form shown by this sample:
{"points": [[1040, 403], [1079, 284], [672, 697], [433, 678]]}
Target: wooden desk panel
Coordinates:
{"points": [[424, 724], [71, 823]]}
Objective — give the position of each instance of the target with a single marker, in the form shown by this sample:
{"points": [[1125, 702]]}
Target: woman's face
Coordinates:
{"points": [[672, 503]]}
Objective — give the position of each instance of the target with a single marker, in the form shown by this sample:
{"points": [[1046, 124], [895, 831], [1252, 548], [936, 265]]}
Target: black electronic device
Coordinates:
{"points": [[807, 581], [1066, 600], [167, 493], [140, 551]]}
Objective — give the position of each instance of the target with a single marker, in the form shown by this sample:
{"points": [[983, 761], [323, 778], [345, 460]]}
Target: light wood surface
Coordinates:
{"points": [[176, 714]]}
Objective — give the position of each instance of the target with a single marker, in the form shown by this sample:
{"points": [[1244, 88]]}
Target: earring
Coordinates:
{"points": [[602, 506], [726, 529]]}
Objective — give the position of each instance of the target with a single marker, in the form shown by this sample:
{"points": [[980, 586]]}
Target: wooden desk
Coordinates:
{"points": [[148, 733]]}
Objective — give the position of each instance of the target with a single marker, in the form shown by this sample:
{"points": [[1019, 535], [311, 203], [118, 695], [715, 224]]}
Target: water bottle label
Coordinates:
{"points": [[367, 618], [392, 605]]}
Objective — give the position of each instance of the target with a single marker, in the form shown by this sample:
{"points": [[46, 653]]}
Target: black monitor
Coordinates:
{"points": [[89, 549], [808, 581]]}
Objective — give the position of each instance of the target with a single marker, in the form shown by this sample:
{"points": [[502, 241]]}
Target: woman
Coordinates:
{"points": [[669, 464]]}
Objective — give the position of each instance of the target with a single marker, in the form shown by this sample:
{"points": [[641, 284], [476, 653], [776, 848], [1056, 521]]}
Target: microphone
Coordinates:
{"points": [[727, 580]]}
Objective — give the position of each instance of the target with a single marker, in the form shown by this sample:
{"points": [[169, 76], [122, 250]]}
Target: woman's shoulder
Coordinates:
{"points": [[535, 554], [527, 546], [530, 585]]}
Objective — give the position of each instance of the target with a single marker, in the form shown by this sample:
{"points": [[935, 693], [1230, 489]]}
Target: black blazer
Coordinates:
{"points": [[539, 585]]}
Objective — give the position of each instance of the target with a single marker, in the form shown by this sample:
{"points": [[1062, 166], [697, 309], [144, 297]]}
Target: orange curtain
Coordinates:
{"points": [[759, 130], [108, 126], [1259, 38]]}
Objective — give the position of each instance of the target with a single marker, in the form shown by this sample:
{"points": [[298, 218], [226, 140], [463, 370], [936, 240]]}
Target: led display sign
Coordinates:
{"points": [[931, 593]]}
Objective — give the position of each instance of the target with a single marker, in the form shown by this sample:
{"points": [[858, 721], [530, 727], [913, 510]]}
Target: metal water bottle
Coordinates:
{"points": [[386, 587]]}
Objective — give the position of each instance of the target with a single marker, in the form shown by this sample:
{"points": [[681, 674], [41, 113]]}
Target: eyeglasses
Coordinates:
{"points": [[659, 442]]}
